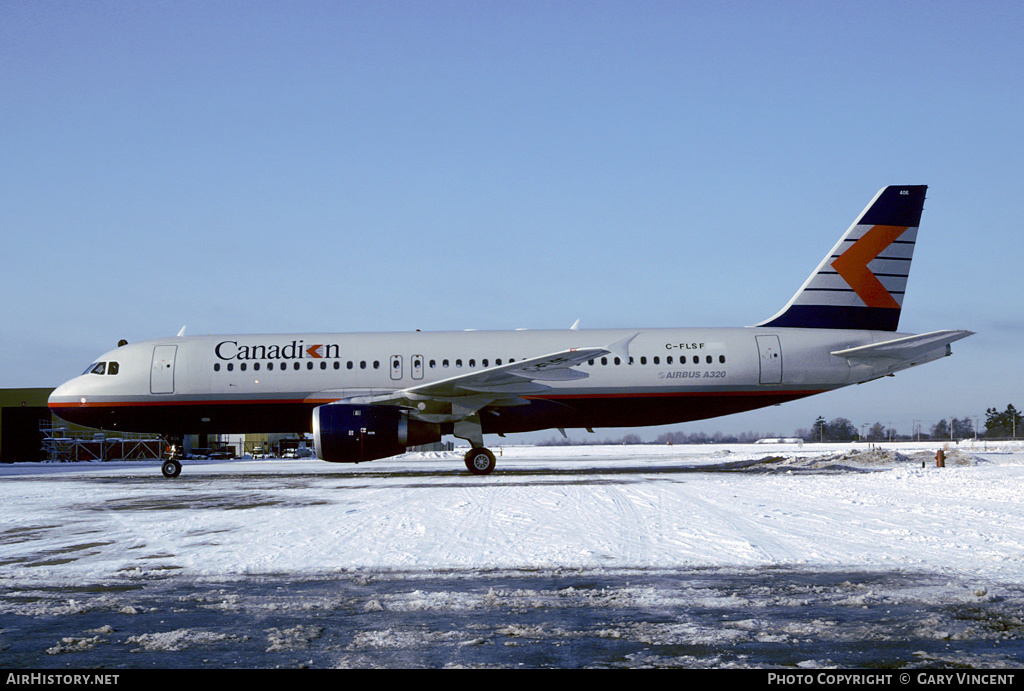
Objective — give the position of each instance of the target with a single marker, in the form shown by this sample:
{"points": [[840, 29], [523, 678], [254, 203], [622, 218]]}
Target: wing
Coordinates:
{"points": [[458, 397]]}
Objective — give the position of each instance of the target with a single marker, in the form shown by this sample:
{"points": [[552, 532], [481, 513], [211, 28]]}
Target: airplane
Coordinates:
{"points": [[367, 396]]}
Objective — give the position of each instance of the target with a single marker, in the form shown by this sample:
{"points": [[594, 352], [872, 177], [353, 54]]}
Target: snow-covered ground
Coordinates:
{"points": [[774, 555], [603, 507]]}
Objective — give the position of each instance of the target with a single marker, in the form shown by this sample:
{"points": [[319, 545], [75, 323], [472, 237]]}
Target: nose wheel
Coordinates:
{"points": [[480, 461], [171, 468]]}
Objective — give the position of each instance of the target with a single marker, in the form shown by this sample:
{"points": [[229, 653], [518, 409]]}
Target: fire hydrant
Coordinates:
{"points": [[940, 459]]}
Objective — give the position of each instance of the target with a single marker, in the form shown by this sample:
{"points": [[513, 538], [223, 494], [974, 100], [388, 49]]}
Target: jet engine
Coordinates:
{"points": [[353, 433]]}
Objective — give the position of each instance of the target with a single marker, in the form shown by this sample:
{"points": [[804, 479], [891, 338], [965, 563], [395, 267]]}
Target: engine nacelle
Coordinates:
{"points": [[353, 433]]}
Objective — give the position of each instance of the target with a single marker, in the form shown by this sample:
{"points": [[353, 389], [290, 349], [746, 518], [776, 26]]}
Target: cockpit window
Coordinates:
{"points": [[102, 368]]}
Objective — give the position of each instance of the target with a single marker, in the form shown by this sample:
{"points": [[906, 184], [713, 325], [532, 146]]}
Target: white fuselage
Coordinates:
{"points": [[270, 383]]}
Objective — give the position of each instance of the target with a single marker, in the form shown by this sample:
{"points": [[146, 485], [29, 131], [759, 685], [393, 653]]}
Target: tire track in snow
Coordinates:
{"points": [[631, 526]]}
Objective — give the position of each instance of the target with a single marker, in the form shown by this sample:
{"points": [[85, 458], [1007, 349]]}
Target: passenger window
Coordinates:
{"points": [[472, 363]]}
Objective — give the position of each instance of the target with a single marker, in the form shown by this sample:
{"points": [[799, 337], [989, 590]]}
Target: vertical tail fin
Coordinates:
{"points": [[860, 283]]}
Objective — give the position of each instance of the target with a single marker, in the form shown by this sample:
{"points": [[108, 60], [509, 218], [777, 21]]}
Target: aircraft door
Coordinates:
{"points": [[396, 367], [770, 351], [161, 377], [417, 367]]}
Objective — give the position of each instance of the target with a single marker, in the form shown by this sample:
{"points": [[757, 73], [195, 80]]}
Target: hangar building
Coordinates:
{"points": [[22, 413], [29, 432]]}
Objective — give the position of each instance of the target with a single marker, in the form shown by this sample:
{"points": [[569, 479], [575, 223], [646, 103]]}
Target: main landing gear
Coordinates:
{"points": [[480, 461]]}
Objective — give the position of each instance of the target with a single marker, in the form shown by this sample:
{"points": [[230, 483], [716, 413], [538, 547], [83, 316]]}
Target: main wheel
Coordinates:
{"points": [[480, 461], [171, 468]]}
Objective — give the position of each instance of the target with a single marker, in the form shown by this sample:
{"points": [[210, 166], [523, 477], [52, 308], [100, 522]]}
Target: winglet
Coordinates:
{"points": [[621, 347]]}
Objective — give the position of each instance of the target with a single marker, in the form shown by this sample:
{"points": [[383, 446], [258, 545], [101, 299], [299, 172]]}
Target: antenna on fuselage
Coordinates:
{"points": [[122, 342], [182, 332]]}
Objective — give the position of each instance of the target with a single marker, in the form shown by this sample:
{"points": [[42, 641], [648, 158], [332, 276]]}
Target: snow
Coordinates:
{"points": [[806, 506]]}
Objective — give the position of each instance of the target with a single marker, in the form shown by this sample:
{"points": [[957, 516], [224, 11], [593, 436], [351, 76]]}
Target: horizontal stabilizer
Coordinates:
{"points": [[910, 349]]}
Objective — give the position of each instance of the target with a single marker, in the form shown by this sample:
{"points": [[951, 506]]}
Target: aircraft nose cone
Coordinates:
{"points": [[64, 393], [66, 400]]}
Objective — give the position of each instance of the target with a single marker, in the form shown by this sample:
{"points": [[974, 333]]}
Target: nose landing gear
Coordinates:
{"points": [[172, 466]]}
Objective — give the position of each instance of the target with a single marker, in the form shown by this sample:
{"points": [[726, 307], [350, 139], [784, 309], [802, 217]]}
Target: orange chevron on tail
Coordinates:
{"points": [[852, 265]]}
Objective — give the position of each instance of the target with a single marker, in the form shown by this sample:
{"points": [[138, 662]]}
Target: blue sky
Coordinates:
{"points": [[387, 166]]}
